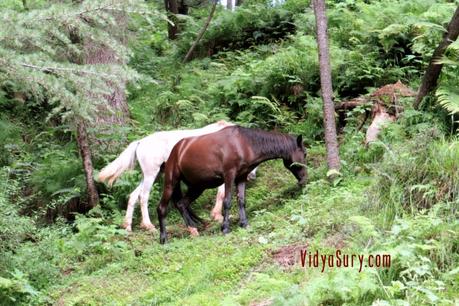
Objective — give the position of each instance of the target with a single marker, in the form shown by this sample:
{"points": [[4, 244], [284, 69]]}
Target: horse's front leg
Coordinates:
{"points": [[148, 180], [227, 203], [133, 197], [216, 213], [241, 201]]}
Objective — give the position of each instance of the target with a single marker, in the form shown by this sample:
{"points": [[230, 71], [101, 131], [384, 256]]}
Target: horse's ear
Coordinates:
{"points": [[299, 141]]}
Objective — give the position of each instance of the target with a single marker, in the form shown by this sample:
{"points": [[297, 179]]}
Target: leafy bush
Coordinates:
{"points": [[14, 228], [417, 176], [247, 26]]}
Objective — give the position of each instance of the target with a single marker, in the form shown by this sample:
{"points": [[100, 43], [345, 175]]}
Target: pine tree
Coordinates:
{"points": [[326, 86], [42, 51]]}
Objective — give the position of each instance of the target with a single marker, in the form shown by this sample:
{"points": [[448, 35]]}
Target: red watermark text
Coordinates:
{"points": [[342, 260]]}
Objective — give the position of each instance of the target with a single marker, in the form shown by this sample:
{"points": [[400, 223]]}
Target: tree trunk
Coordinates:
{"points": [[119, 114], [326, 87], [238, 2], [172, 11], [183, 7], [116, 112], [229, 4], [429, 81], [201, 33], [85, 152]]}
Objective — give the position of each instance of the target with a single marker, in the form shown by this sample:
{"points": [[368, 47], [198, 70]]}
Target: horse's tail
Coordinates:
{"points": [[125, 161]]}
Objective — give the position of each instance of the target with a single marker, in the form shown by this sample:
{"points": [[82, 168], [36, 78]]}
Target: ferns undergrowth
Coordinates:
{"points": [[397, 196]]}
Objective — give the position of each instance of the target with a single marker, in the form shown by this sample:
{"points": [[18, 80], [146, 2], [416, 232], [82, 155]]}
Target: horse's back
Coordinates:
{"points": [[204, 160]]}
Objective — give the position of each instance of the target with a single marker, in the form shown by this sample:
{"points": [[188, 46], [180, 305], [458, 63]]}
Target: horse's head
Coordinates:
{"points": [[296, 162]]}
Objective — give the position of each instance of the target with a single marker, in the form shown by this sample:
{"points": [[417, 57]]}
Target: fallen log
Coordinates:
{"points": [[384, 108]]}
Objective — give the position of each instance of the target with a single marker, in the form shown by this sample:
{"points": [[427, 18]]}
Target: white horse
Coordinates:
{"points": [[151, 152]]}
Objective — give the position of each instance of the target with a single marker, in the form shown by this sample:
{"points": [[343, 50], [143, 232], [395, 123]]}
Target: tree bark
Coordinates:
{"points": [[229, 4], [85, 152], [119, 114], [172, 11], [182, 7], [201, 33], [430, 79], [331, 142], [114, 112]]}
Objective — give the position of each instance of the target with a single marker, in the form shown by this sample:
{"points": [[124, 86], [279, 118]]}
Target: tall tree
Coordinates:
{"points": [[172, 11], [109, 115], [85, 153], [201, 33], [58, 69], [229, 4], [331, 142], [430, 79], [115, 111]]}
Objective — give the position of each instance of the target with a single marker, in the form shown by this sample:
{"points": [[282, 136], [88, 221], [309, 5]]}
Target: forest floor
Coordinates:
{"points": [[259, 265]]}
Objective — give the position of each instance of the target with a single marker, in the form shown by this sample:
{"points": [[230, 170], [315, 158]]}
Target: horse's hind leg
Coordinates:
{"points": [[193, 216], [190, 218], [133, 197], [162, 210]]}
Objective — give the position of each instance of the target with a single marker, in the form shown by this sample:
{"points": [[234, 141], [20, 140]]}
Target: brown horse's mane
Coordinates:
{"points": [[269, 143]]}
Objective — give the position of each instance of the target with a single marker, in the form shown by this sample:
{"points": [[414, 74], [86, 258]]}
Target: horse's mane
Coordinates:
{"points": [[269, 143]]}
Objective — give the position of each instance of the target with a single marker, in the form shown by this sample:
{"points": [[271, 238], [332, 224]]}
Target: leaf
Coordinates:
{"points": [[333, 172], [262, 240], [448, 98]]}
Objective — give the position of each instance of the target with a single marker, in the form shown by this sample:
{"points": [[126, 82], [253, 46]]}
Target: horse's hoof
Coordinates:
{"points": [[193, 231], [162, 240], [148, 227], [226, 230], [244, 224], [218, 218], [127, 227]]}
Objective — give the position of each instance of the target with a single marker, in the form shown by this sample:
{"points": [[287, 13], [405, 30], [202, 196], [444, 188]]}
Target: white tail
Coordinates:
{"points": [[125, 161]]}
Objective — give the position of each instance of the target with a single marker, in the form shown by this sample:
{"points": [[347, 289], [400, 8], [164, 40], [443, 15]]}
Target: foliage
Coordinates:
{"points": [[249, 25], [447, 94], [417, 178], [46, 62], [398, 195]]}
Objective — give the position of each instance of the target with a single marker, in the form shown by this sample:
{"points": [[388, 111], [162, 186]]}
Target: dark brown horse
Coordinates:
{"points": [[226, 156]]}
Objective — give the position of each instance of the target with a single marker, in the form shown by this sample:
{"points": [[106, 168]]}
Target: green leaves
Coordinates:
{"points": [[48, 61]]}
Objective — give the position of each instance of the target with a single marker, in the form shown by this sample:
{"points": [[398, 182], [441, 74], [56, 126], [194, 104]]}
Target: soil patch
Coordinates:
{"points": [[288, 256]]}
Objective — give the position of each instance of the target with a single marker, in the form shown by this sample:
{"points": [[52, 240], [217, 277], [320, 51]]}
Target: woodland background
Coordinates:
{"points": [[81, 79]]}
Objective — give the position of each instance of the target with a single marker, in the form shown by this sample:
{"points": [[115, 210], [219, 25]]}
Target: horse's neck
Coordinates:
{"points": [[265, 156], [274, 147]]}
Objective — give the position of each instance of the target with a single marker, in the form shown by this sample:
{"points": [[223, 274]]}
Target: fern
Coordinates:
{"points": [[448, 98], [447, 93]]}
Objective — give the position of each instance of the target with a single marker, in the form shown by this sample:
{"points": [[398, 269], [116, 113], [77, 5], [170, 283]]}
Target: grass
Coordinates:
{"points": [[241, 268], [214, 269], [101, 265]]}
